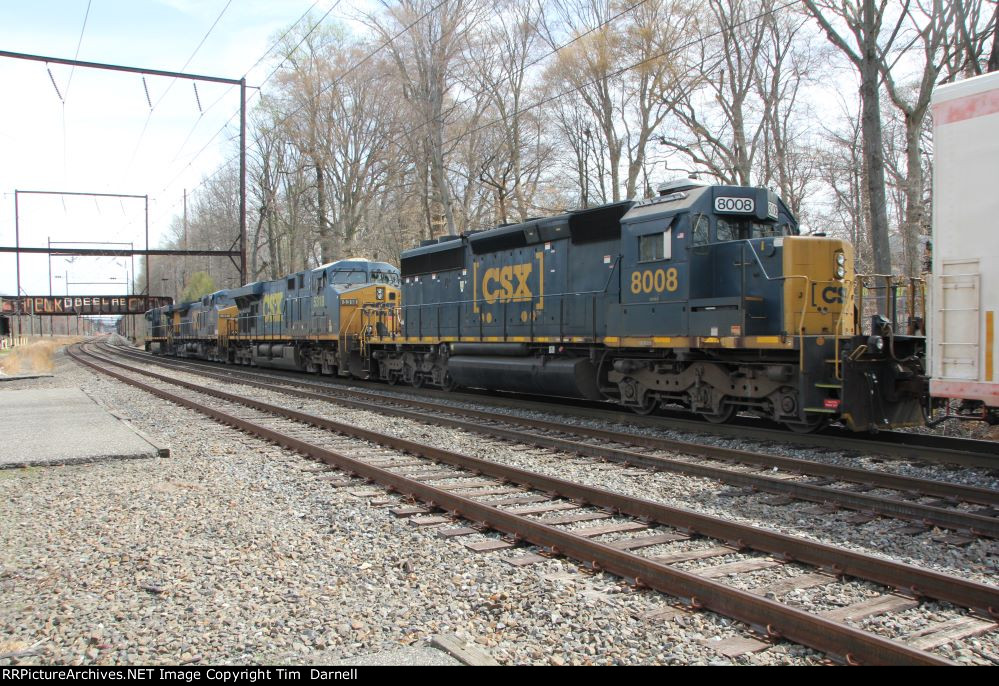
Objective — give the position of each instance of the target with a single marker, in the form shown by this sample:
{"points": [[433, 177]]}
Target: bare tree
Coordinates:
{"points": [[356, 119], [517, 154], [723, 122], [425, 38], [930, 26], [626, 73], [787, 61], [864, 23], [945, 46], [841, 168], [993, 64]]}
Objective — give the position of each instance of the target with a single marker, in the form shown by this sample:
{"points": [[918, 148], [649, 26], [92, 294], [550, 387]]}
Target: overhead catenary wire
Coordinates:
{"points": [[195, 52], [527, 108], [322, 91], [152, 107], [520, 71], [416, 128], [252, 95], [255, 65], [677, 48], [339, 79], [79, 43]]}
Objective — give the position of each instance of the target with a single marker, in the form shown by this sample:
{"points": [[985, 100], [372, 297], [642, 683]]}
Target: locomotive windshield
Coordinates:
{"points": [[378, 276], [353, 276], [733, 229]]}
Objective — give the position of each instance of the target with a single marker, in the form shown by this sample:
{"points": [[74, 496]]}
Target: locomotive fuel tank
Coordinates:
{"points": [[573, 377]]}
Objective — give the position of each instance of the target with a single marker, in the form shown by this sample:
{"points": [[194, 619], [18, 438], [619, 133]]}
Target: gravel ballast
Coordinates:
{"points": [[235, 551]]}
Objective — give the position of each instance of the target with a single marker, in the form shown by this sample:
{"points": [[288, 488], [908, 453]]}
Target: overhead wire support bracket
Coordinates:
{"points": [[241, 82]]}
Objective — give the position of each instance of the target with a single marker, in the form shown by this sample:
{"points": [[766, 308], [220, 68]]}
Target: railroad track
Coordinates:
{"points": [[924, 502], [898, 444], [557, 515]]}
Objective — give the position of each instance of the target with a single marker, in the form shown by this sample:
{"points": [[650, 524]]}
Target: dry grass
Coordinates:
{"points": [[35, 357]]}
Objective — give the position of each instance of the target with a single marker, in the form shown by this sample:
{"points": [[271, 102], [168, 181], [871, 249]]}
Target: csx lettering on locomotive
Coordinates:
{"points": [[510, 283], [271, 304]]}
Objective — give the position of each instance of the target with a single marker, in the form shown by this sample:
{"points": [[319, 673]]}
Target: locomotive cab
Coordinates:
{"points": [[741, 313]]}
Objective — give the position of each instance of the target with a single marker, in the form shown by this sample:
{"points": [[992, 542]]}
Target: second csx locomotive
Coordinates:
{"points": [[704, 297]]}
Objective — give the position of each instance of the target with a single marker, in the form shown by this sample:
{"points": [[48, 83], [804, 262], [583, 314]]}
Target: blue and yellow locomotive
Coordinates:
{"points": [[704, 297], [315, 320]]}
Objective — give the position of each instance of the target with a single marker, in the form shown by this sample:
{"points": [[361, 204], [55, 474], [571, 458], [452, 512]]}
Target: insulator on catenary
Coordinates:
{"points": [[52, 79], [197, 98], [146, 88]]}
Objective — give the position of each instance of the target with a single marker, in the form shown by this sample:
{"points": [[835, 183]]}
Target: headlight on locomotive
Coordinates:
{"points": [[840, 270]]}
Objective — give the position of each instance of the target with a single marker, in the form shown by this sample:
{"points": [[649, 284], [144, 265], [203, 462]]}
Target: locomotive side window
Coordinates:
{"points": [[301, 280], [655, 246], [701, 230], [744, 229], [390, 278], [291, 284], [726, 230]]}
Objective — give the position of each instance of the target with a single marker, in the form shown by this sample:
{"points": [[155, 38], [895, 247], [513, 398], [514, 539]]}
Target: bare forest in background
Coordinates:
{"points": [[434, 117]]}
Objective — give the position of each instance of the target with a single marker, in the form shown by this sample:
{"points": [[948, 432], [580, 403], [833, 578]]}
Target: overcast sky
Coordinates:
{"points": [[101, 136]]}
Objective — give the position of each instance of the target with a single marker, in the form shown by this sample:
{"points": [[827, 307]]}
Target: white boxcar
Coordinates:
{"points": [[965, 279]]}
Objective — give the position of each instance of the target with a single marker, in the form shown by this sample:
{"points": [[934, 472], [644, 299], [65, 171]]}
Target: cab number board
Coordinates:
{"points": [[735, 205]]}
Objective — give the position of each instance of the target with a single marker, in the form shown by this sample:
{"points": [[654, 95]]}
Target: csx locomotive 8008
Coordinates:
{"points": [[704, 297]]}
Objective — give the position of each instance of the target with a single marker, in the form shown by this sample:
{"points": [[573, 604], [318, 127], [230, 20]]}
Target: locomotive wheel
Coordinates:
{"points": [[728, 411], [392, 379], [648, 406], [811, 426], [418, 380], [448, 383]]}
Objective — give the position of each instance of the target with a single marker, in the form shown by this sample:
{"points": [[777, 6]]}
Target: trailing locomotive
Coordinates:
{"points": [[314, 320], [705, 297]]}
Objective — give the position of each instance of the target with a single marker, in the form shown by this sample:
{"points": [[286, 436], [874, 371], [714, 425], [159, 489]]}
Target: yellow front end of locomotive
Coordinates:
{"points": [[370, 311], [819, 285]]}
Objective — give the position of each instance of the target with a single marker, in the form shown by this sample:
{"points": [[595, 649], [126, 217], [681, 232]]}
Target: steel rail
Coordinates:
{"points": [[924, 447], [830, 637], [891, 507], [915, 580], [970, 494]]}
